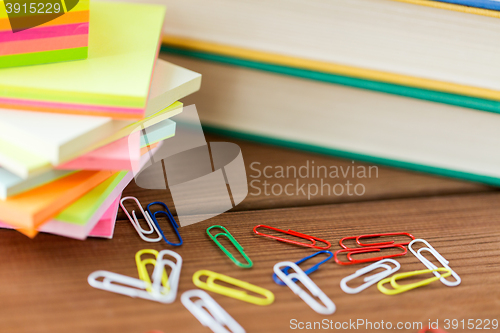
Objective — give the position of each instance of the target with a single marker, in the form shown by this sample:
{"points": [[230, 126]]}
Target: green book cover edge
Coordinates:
{"points": [[418, 93]]}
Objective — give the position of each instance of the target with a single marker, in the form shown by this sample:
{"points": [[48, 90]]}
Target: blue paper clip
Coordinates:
{"points": [[170, 218], [309, 271]]}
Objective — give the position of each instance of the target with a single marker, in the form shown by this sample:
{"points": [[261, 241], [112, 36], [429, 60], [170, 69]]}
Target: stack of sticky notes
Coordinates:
{"points": [[72, 132], [114, 80], [43, 32]]}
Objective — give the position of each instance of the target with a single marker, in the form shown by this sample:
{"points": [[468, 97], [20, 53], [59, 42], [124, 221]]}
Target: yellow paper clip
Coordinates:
{"points": [[143, 271], [210, 285], [402, 288]]}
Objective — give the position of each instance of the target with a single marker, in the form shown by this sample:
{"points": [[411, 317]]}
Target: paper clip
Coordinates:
{"points": [[351, 251], [133, 287], [210, 285], [328, 306], [382, 235], [137, 225], [170, 218], [430, 265], [296, 234], [370, 280], [209, 313], [234, 242], [308, 271], [357, 238], [120, 284], [143, 272], [400, 289], [173, 278]]}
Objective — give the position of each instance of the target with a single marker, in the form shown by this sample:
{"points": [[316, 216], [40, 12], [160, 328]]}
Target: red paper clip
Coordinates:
{"points": [[357, 238], [352, 261], [294, 233], [345, 238], [384, 243]]}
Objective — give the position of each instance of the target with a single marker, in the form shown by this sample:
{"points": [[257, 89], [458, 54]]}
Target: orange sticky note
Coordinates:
{"points": [[30, 209]]}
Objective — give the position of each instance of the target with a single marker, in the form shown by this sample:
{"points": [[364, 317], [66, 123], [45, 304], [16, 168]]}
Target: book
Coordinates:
{"points": [[57, 138], [347, 122], [113, 81], [485, 4], [401, 90], [422, 44]]}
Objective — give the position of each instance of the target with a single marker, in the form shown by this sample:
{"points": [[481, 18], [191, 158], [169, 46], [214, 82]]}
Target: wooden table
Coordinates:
{"points": [[43, 282]]}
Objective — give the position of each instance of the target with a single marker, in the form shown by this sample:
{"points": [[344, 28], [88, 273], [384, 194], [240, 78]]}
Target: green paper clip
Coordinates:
{"points": [[234, 242]]}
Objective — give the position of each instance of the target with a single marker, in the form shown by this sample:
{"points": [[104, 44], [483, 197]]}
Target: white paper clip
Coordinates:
{"points": [[372, 279], [137, 225], [430, 265], [209, 313], [327, 308], [173, 278], [133, 287]]}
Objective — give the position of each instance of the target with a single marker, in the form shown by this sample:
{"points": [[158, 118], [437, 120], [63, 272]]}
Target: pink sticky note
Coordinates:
{"points": [[46, 32], [121, 154], [44, 44], [106, 225]]}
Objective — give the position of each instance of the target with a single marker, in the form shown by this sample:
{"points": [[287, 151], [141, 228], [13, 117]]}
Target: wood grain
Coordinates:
{"points": [[390, 184], [43, 282]]}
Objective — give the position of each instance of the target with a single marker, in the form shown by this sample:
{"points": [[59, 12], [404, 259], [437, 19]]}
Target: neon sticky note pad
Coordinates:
{"points": [[113, 81], [26, 164], [114, 156], [106, 225], [11, 184], [58, 138], [124, 153], [104, 228], [78, 219], [38, 32], [30, 209], [80, 211]]}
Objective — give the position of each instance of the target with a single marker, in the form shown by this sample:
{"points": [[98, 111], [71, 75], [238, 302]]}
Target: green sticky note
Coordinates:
{"points": [[35, 58], [82, 210]]}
